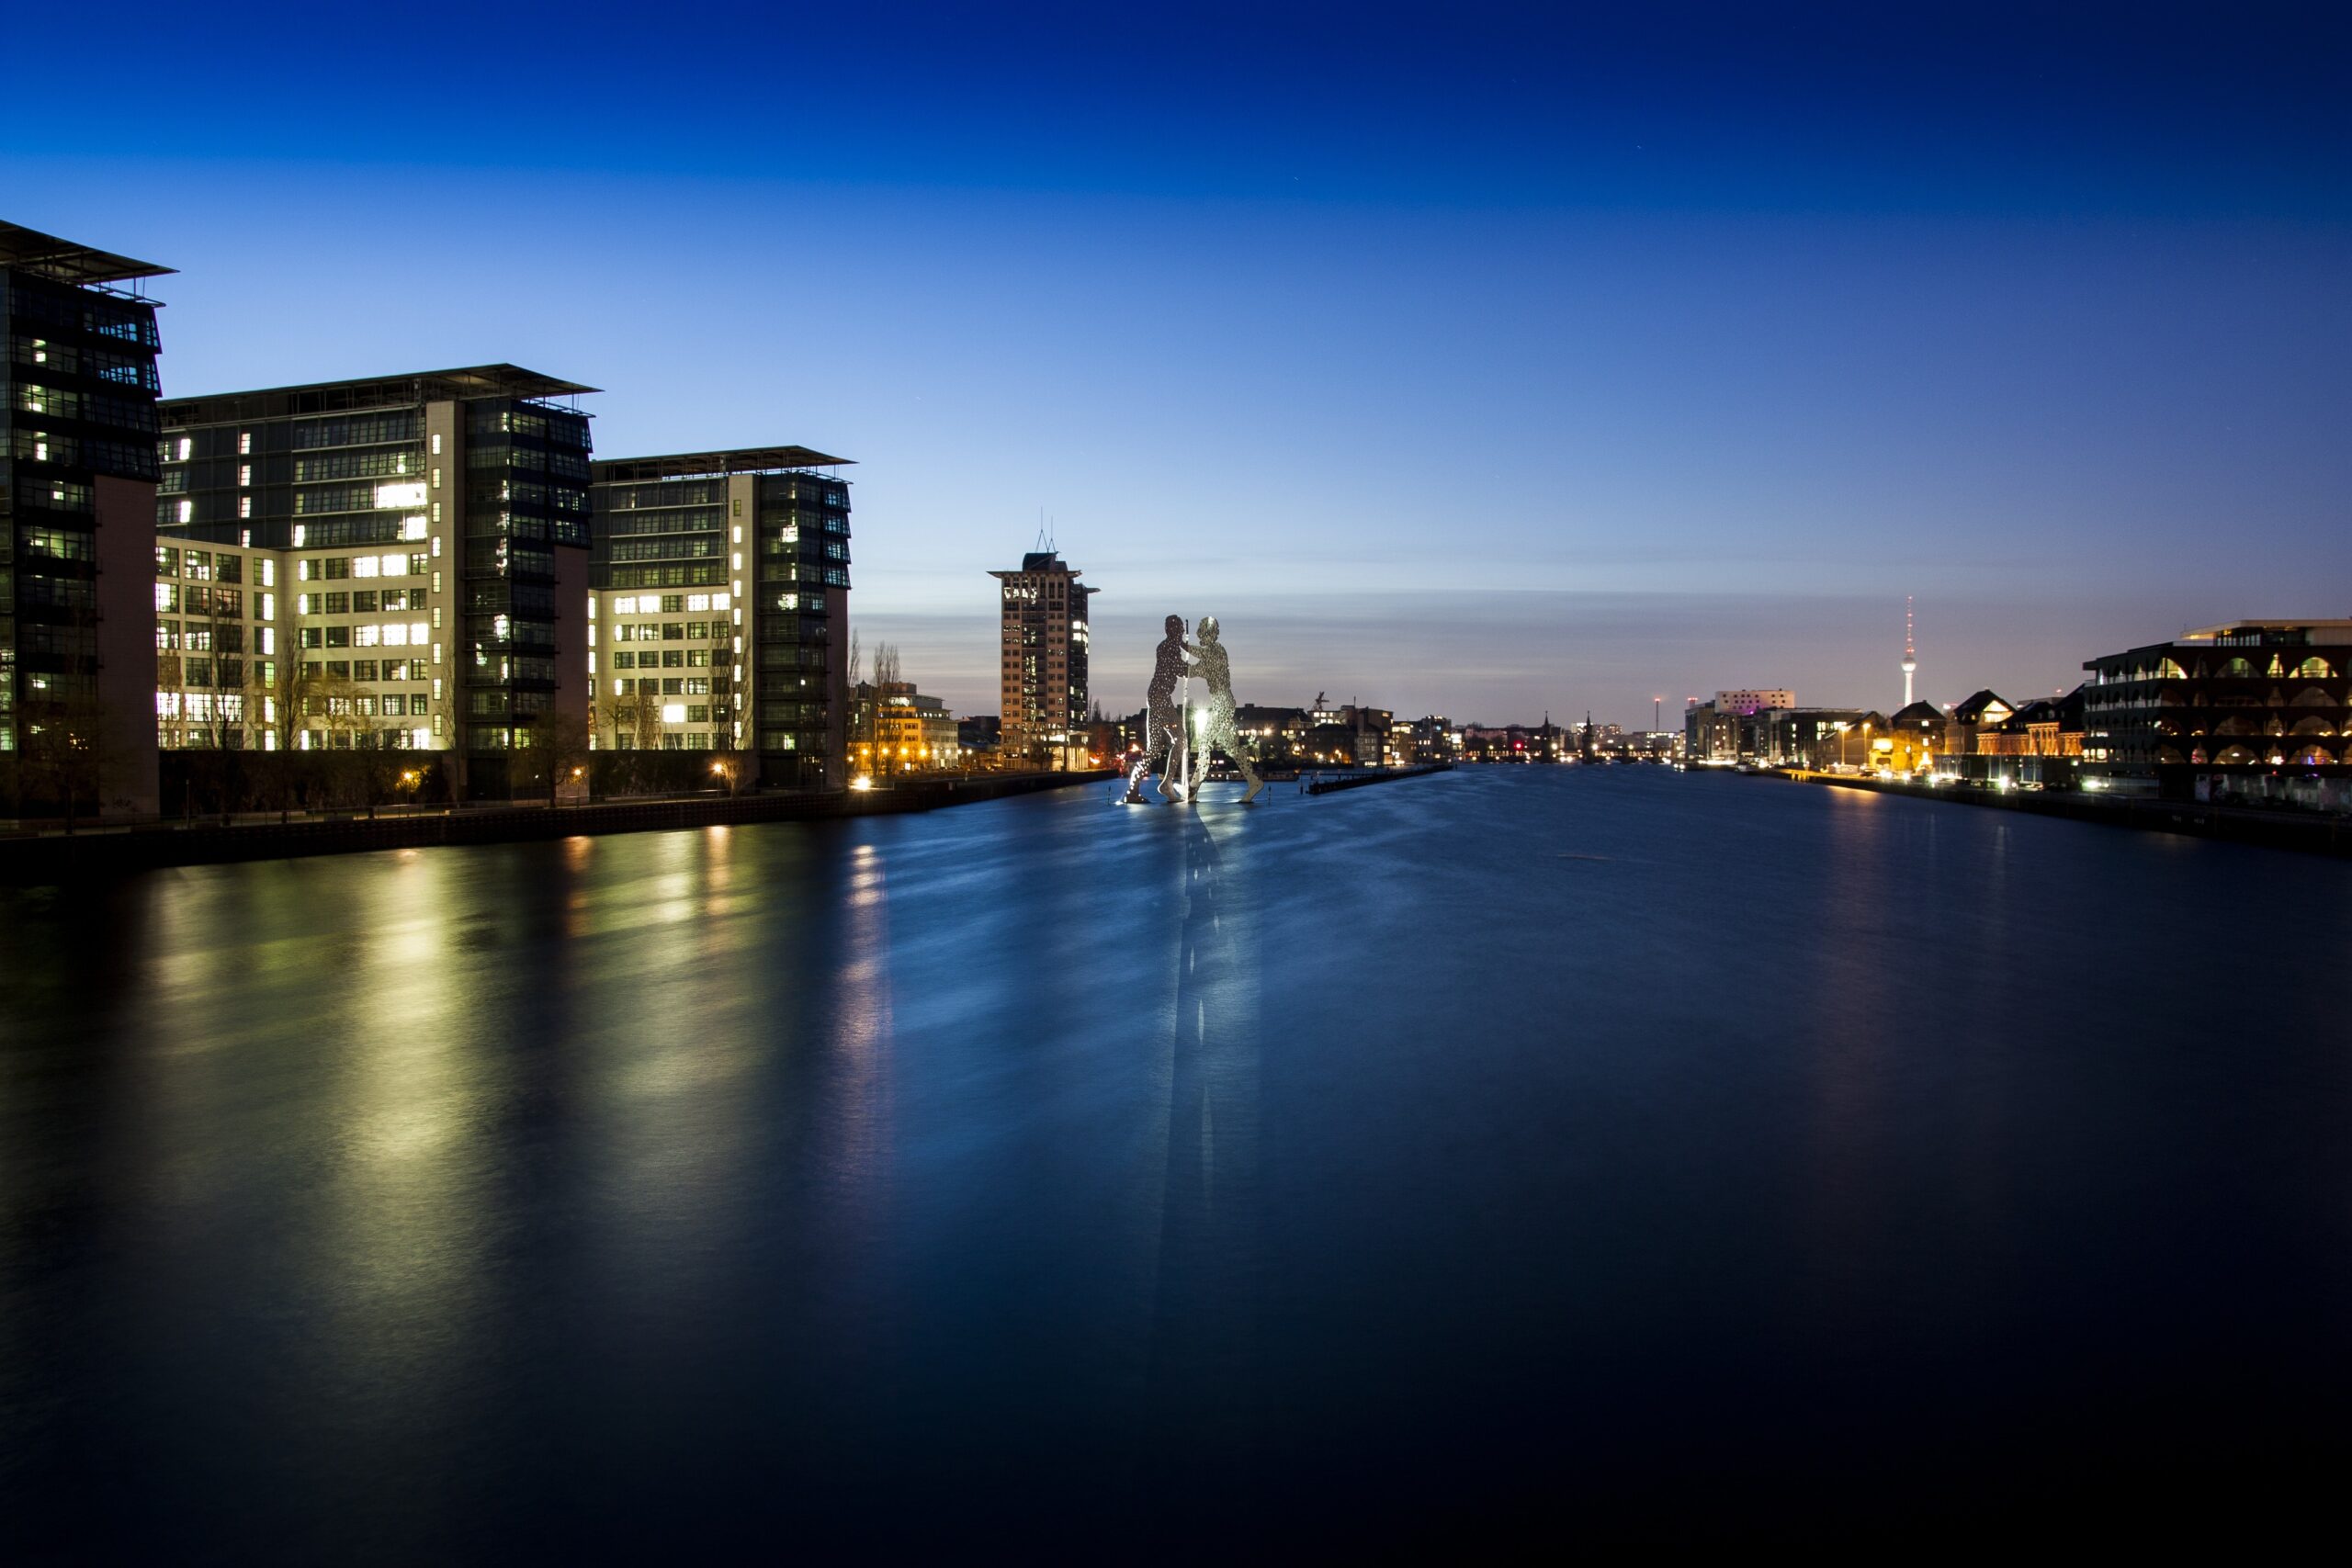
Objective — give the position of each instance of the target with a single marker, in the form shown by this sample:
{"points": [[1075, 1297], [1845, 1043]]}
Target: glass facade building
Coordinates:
{"points": [[425, 538], [721, 595], [78, 391]]}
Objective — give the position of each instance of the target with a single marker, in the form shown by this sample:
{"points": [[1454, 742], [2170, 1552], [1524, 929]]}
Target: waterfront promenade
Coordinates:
{"points": [[2312, 832], [53, 857]]}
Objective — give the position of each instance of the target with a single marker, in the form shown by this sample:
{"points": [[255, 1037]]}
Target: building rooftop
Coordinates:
{"points": [[2255, 627], [46, 255], [374, 391], [1040, 560], [701, 465]]}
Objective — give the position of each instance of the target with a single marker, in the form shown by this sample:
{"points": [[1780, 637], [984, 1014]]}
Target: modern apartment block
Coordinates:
{"points": [[1042, 649], [77, 483], [2255, 709], [401, 561], [720, 607]]}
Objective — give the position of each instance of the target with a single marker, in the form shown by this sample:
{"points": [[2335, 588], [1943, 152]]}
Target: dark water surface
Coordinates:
{"points": [[1586, 1152]]}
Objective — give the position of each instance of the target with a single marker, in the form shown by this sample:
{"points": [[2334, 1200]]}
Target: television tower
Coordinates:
{"points": [[1910, 654]]}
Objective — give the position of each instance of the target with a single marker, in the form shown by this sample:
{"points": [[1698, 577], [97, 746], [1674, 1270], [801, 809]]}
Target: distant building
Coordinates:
{"points": [[978, 732], [1710, 733], [78, 525], [897, 729], [1042, 648], [2256, 710], [1278, 733], [722, 599], [1754, 702], [1434, 740], [1984, 712], [1821, 738], [1914, 733], [415, 554]]}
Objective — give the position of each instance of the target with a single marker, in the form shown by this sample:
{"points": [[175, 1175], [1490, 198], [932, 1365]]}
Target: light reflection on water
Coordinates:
{"points": [[1360, 1171]]}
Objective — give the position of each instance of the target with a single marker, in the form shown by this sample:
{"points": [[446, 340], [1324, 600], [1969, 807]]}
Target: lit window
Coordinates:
{"points": [[187, 508], [184, 448], [244, 506], [674, 713], [394, 497], [245, 443]]}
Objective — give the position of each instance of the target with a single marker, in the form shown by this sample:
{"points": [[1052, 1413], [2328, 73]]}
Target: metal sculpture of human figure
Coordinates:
{"points": [[1217, 725], [1163, 725]]}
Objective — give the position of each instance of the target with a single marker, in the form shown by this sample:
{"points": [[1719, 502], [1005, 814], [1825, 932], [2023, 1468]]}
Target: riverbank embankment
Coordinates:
{"points": [[58, 858], [2273, 829], [1370, 776]]}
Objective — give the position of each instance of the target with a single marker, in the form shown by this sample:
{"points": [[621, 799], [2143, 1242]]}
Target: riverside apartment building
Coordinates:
{"points": [[396, 562], [719, 608], [77, 483]]}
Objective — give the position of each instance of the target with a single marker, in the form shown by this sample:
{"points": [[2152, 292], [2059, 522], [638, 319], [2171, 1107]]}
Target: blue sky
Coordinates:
{"points": [[1470, 358]]}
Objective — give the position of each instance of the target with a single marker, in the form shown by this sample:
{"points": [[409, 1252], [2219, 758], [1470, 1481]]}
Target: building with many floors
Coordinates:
{"points": [[1042, 648], [719, 595], [2252, 709], [78, 389], [402, 562], [1754, 702]]}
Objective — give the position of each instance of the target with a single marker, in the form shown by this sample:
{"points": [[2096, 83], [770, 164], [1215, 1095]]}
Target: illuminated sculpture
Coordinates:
{"points": [[1163, 715], [1214, 725]]}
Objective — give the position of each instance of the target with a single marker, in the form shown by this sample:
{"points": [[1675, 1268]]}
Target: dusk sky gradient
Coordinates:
{"points": [[1473, 359]]}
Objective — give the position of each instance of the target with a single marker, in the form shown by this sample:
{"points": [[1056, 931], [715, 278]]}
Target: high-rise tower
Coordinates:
{"points": [[1043, 675], [1910, 654]]}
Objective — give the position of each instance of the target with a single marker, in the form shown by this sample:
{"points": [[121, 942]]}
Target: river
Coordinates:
{"points": [[1598, 1153]]}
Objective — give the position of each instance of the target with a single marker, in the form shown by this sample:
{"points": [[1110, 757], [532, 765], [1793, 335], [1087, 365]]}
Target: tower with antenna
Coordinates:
{"points": [[1910, 654]]}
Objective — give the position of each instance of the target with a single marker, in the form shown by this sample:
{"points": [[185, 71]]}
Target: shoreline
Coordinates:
{"points": [[53, 859], [2184, 818]]}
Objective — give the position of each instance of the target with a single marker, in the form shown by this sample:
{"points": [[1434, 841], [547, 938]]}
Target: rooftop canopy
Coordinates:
{"points": [[404, 389], [2250, 628], [46, 255], [703, 464]]}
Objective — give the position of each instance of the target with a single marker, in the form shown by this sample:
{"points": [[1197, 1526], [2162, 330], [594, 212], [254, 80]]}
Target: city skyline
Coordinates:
{"points": [[1649, 324]]}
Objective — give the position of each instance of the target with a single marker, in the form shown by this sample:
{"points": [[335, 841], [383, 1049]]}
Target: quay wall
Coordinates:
{"points": [[57, 858]]}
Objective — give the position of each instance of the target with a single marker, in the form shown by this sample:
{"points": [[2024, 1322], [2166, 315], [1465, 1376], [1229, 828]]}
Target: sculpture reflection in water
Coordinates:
{"points": [[1213, 723], [1163, 724]]}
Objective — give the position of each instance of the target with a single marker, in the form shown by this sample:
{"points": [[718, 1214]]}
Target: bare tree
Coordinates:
{"points": [[68, 757], [277, 688], [212, 720], [555, 743]]}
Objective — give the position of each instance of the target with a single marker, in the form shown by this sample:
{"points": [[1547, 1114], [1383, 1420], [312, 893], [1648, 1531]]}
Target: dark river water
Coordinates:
{"points": [[1573, 1154]]}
